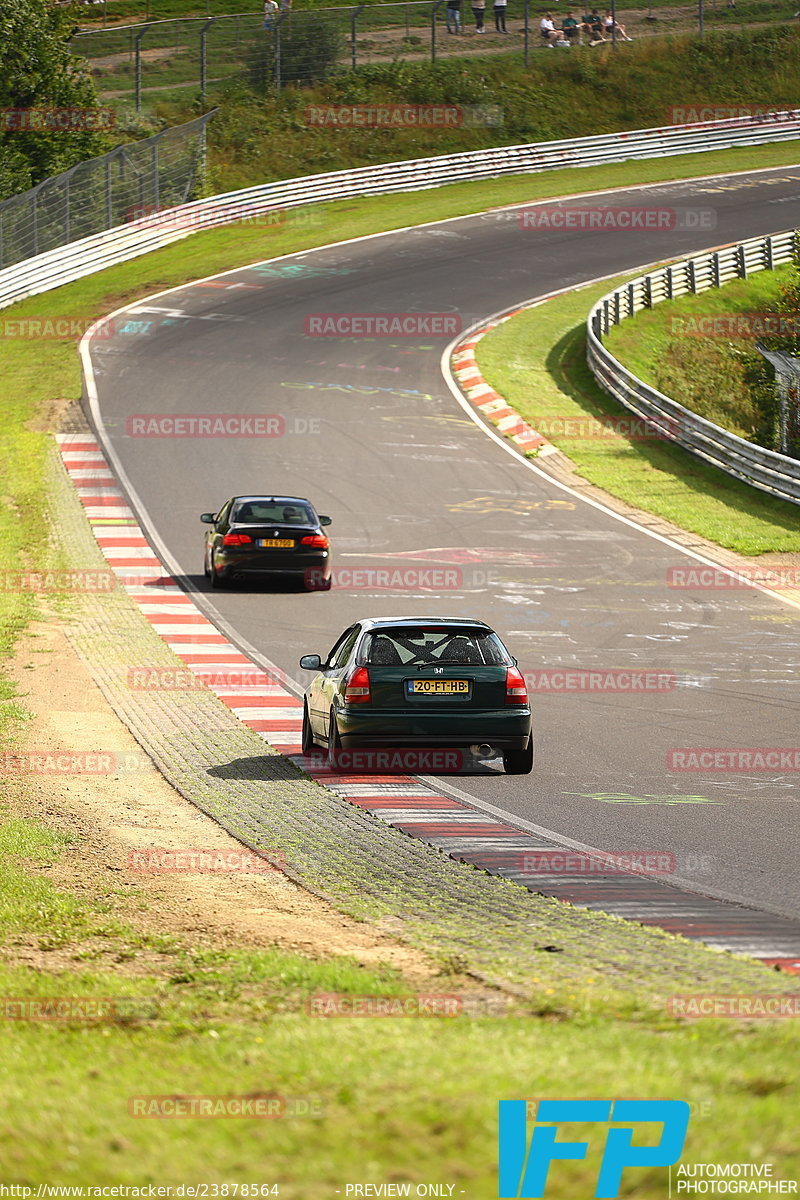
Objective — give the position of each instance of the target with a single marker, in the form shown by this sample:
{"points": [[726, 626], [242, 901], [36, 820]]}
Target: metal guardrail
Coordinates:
{"points": [[125, 242], [768, 470]]}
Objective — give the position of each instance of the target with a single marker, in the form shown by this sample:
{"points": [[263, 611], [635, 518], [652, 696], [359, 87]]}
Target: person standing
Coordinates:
{"points": [[452, 15], [478, 10], [270, 8], [499, 9]]}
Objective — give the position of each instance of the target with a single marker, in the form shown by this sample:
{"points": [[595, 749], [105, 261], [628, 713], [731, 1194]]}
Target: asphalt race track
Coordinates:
{"points": [[374, 436]]}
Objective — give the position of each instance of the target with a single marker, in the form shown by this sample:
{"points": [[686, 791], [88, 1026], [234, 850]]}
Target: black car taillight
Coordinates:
{"points": [[356, 689], [317, 540], [237, 539]]}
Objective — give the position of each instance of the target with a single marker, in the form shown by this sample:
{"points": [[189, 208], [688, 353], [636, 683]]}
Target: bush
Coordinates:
{"points": [[302, 48]]}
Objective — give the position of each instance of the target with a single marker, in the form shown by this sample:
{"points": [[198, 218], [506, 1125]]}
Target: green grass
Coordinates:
{"points": [[401, 1099], [718, 377], [537, 361], [265, 136]]}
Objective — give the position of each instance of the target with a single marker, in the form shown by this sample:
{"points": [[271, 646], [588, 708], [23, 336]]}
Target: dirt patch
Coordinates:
{"points": [[131, 807]]}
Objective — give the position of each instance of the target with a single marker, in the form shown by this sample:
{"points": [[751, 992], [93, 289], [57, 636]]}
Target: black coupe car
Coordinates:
{"points": [[262, 536], [419, 682]]}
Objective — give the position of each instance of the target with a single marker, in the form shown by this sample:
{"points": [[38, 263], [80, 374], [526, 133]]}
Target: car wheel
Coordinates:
{"points": [[217, 581], [334, 741], [306, 737], [519, 762]]}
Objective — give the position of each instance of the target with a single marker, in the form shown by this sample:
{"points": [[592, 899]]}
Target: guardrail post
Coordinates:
{"points": [[670, 282], [742, 257], [648, 291], [715, 269], [203, 71], [692, 276], [606, 323], [617, 317], [770, 253], [631, 300], [138, 67], [434, 11]]}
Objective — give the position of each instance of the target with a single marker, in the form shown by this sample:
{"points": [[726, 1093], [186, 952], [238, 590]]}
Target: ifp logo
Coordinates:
{"points": [[524, 1166]]}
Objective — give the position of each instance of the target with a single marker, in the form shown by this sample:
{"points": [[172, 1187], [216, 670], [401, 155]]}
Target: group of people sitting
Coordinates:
{"points": [[597, 29]]}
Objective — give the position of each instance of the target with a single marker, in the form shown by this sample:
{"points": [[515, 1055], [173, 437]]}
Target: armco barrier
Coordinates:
{"points": [[765, 469], [125, 242]]}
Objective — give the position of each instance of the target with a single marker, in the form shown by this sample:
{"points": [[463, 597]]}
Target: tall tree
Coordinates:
{"points": [[37, 70]]}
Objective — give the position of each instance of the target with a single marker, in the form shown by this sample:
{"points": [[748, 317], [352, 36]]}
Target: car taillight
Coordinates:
{"points": [[237, 539], [317, 540], [357, 688], [516, 691]]}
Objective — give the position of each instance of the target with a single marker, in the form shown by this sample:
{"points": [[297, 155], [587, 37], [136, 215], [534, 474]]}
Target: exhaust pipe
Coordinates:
{"points": [[485, 751]]}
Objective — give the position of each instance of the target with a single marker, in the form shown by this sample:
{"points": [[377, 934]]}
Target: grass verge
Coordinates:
{"points": [[406, 1099], [537, 361], [398, 1100]]}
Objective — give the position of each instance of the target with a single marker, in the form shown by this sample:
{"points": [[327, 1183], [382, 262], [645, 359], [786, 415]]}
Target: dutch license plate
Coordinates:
{"points": [[437, 687], [276, 543]]}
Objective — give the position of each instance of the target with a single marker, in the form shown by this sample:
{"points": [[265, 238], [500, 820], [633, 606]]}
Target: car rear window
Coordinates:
{"points": [[266, 512], [414, 647]]}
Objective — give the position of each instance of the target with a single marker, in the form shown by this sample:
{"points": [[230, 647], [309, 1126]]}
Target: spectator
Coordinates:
{"points": [[609, 24], [592, 25], [571, 29], [478, 9], [547, 30], [452, 15], [500, 15], [270, 8]]}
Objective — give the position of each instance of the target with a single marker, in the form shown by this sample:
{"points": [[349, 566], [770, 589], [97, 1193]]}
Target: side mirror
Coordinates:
{"points": [[208, 518], [311, 662], [325, 521]]}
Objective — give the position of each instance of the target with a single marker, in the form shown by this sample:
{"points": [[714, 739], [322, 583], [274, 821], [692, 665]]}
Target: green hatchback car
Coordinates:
{"points": [[419, 682]]}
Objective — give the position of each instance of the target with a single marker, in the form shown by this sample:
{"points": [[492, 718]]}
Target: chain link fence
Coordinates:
{"points": [[192, 55], [92, 196]]}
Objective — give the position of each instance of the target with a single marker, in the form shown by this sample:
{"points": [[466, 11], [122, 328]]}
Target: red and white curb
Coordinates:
{"points": [[490, 403], [462, 832]]}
